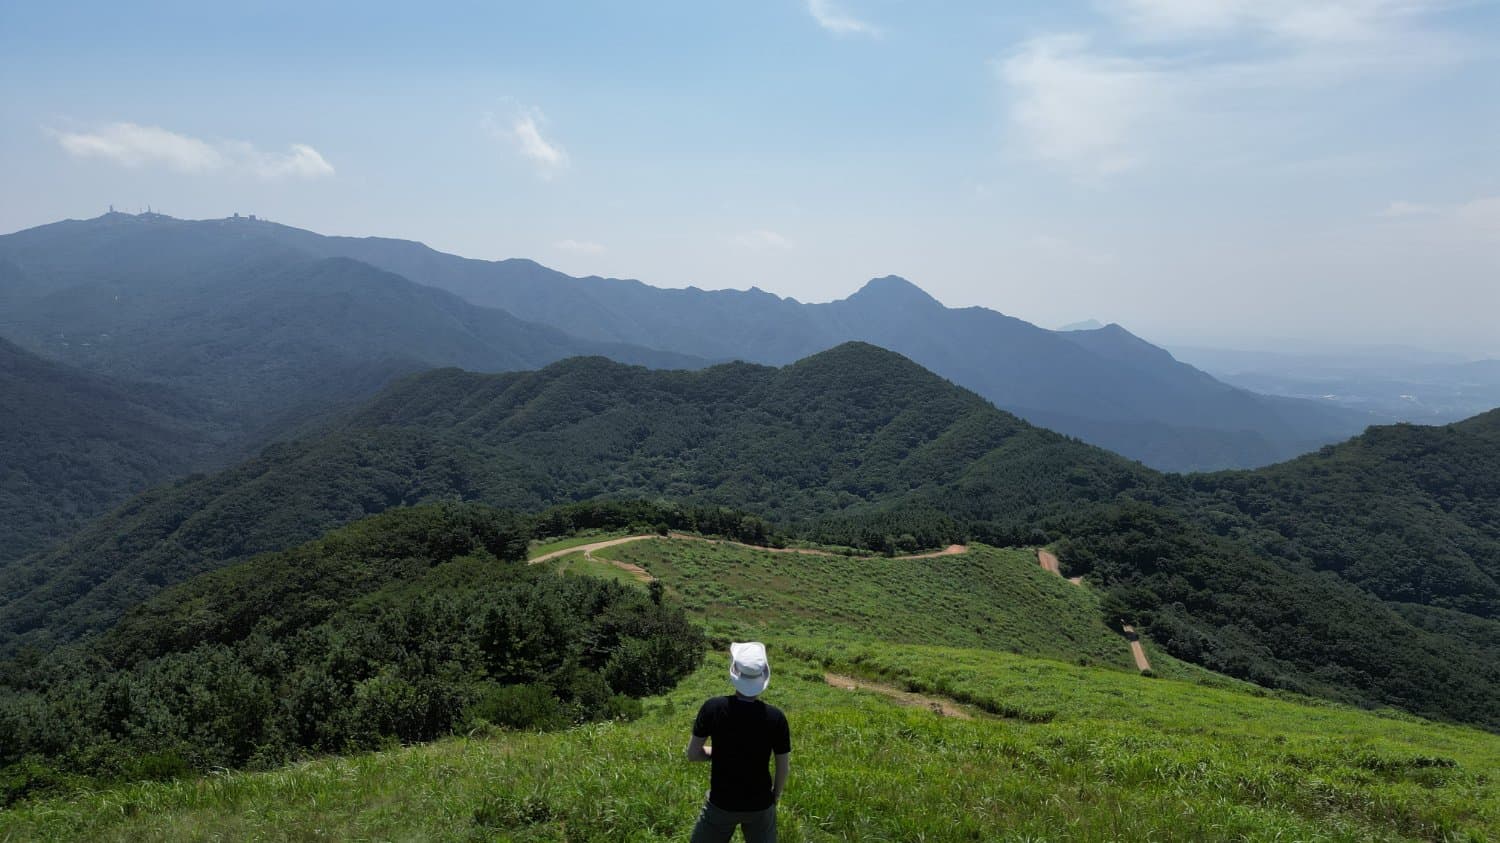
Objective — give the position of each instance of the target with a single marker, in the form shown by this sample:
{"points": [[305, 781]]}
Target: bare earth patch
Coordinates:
{"points": [[937, 705], [1136, 649]]}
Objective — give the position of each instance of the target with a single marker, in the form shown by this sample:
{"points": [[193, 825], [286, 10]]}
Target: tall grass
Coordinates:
{"points": [[1119, 758], [1060, 751], [989, 597]]}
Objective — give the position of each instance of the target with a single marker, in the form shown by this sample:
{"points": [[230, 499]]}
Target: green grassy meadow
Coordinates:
{"points": [[541, 548], [1056, 750], [1119, 757], [989, 597]]}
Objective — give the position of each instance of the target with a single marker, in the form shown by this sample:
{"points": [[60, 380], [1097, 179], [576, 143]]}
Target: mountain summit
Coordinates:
{"points": [[1103, 386], [893, 291]]}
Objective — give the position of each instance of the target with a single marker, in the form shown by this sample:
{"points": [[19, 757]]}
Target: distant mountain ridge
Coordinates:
{"points": [[1104, 385], [268, 334]]}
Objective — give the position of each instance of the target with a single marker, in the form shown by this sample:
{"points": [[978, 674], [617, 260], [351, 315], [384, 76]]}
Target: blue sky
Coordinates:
{"points": [[1231, 172]]}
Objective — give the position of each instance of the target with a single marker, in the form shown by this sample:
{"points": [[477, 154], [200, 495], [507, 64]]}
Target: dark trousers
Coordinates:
{"points": [[716, 825]]}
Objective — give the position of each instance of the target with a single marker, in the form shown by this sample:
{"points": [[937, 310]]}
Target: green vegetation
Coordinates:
{"points": [[1406, 512], [74, 445], [1209, 601], [542, 548], [580, 565], [1078, 754], [991, 598], [859, 447], [404, 627]]}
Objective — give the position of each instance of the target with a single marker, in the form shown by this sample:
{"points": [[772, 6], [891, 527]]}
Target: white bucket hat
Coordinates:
{"points": [[748, 668]]}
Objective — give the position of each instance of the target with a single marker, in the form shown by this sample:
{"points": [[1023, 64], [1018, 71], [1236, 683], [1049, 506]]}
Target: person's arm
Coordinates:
{"points": [[783, 769], [696, 751]]}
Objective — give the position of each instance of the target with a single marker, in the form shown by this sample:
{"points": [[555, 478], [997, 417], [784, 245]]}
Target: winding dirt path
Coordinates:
{"points": [[1048, 560], [937, 705], [588, 549], [643, 575], [1141, 662]]}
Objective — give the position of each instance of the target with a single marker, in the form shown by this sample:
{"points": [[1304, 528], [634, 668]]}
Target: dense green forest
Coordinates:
{"points": [[74, 445], [859, 446], [851, 427], [1213, 602], [1407, 512], [402, 627]]}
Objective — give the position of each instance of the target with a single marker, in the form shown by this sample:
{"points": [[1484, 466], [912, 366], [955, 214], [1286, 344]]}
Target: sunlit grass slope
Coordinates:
{"points": [[989, 597], [1119, 757]]}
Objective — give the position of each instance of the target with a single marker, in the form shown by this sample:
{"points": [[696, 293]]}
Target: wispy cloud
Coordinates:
{"points": [[761, 238], [523, 132], [835, 19], [582, 247], [1324, 21], [1402, 208], [133, 145], [1079, 108], [1179, 72], [1481, 215], [1470, 218]]}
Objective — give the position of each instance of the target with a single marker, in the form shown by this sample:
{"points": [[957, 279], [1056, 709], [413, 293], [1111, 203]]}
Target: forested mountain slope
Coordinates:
{"points": [[403, 627], [853, 426], [1104, 385], [1407, 512], [852, 445], [220, 337], [267, 335], [74, 445]]}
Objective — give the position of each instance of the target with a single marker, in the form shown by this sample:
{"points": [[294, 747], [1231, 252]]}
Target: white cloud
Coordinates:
{"points": [[302, 162], [833, 18], [138, 146], [761, 238], [524, 134], [1295, 20], [1480, 215], [1079, 108], [1101, 105], [582, 247], [1402, 208], [132, 145]]}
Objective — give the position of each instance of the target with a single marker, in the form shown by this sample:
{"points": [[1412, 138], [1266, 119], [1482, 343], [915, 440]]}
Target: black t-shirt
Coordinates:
{"points": [[744, 733]]}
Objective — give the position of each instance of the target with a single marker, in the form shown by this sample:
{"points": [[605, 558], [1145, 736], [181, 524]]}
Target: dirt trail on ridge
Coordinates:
{"points": [[1141, 662], [643, 575], [588, 549], [937, 705], [1048, 560]]}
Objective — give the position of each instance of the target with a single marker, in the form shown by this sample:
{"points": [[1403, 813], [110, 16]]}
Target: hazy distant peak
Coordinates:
{"points": [[894, 290], [1085, 325]]}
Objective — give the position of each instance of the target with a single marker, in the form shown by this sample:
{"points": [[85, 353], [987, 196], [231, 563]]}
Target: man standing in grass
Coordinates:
{"points": [[745, 732]]}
